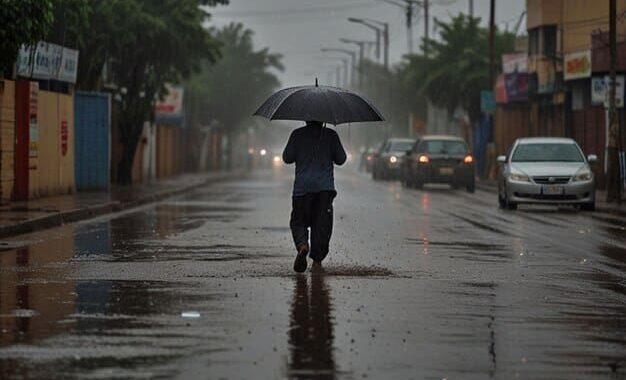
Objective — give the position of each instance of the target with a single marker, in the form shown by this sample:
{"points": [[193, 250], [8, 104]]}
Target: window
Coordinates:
{"points": [[451, 147], [547, 152], [549, 40], [533, 41], [400, 146]]}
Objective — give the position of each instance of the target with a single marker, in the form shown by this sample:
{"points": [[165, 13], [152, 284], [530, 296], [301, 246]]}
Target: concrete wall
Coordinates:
{"points": [[583, 17], [168, 155], [54, 170], [7, 138], [543, 12]]}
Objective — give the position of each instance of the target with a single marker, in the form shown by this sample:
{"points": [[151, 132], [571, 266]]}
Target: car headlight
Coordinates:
{"points": [[519, 177], [584, 175], [393, 159]]}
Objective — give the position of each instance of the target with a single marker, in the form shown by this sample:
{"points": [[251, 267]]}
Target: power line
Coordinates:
{"points": [[294, 11]]}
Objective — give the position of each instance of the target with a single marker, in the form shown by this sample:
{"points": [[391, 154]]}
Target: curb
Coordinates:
{"points": [[72, 216], [602, 207]]}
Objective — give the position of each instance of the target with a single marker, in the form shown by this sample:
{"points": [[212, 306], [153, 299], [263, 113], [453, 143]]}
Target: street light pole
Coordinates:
{"points": [[352, 56], [361, 45], [344, 61], [408, 6], [384, 30]]}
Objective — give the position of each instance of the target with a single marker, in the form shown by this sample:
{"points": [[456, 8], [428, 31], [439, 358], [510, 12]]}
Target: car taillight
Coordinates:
{"points": [[424, 159], [468, 159]]}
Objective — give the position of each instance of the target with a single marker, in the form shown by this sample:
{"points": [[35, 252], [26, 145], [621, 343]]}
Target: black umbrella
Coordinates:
{"points": [[319, 103]]}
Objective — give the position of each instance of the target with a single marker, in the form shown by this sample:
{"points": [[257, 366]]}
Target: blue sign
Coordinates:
{"points": [[487, 102]]}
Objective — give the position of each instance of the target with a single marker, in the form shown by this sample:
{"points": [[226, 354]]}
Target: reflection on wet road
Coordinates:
{"points": [[419, 284], [311, 330]]}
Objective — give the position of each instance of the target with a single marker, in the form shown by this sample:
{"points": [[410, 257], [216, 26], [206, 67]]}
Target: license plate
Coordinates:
{"points": [[446, 171], [553, 190]]}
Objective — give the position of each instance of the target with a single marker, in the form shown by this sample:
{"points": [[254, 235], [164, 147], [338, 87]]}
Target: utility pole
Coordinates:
{"points": [[614, 185], [408, 6], [491, 148], [492, 53], [471, 8], [426, 26]]}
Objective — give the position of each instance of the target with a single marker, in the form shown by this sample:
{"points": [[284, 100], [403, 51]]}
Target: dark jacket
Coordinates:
{"points": [[314, 149]]}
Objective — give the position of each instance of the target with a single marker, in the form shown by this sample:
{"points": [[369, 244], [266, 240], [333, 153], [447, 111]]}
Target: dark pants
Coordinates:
{"points": [[314, 210]]}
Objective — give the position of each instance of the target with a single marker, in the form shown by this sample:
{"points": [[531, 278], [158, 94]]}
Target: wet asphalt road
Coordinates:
{"points": [[432, 284]]}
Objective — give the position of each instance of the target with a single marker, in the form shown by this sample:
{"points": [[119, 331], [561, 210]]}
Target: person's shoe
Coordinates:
{"points": [[299, 265], [317, 267]]}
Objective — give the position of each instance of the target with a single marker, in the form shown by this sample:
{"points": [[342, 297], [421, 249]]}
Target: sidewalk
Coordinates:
{"points": [[601, 204], [18, 218]]}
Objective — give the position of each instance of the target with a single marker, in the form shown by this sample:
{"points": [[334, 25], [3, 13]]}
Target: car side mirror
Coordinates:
{"points": [[592, 158], [501, 159]]}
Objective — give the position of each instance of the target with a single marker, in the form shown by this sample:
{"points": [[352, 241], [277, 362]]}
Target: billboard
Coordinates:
{"points": [[170, 109], [48, 61], [577, 65], [600, 90]]}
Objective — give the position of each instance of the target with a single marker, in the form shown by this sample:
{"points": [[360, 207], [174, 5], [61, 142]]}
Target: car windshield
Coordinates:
{"points": [[444, 147], [547, 152], [400, 146]]}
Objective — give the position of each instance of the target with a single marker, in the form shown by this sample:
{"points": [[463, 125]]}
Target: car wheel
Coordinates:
{"points": [[511, 205], [591, 206], [471, 187], [418, 184], [403, 180], [501, 200]]}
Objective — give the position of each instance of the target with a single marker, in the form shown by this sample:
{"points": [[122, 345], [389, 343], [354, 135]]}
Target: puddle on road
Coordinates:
{"points": [[332, 270], [466, 250], [110, 326]]}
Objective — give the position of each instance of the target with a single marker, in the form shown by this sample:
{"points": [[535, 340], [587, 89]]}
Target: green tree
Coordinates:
{"points": [[147, 44], [22, 22], [458, 64], [228, 91]]}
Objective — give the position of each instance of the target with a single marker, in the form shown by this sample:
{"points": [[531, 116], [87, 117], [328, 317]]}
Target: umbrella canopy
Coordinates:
{"points": [[319, 103]]}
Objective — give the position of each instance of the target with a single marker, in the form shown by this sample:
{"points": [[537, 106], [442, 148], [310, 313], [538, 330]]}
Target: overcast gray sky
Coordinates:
{"points": [[298, 29]]}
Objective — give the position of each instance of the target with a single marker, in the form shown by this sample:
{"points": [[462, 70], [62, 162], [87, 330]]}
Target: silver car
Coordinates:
{"points": [[546, 170]]}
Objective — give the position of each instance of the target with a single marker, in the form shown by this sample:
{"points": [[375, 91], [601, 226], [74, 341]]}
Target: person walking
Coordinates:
{"points": [[315, 149]]}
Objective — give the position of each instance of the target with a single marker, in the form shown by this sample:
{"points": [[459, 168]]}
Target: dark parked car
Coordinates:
{"points": [[439, 159], [388, 159], [367, 160]]}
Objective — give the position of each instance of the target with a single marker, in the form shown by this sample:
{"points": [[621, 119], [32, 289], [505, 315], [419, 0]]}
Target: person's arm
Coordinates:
{"points": [[289, 154], [339, 154]]}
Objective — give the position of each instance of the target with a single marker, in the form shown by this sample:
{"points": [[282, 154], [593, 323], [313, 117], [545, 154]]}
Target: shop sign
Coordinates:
{"points": [[501, 95], [48, 61], [514, 63], [577, 65], [170, 109], [516, 87], [600, 90], [64, 137]]}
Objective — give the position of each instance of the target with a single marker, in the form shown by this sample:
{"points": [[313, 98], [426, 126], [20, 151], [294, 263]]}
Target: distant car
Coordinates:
{"points": [[439, 159], [546, 171], [367, 160], [388, 159]]}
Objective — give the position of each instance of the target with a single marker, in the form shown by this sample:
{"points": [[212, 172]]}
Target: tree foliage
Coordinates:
{"points": [[228, 91], [456, 68], [145, 44], [22, 22]]}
